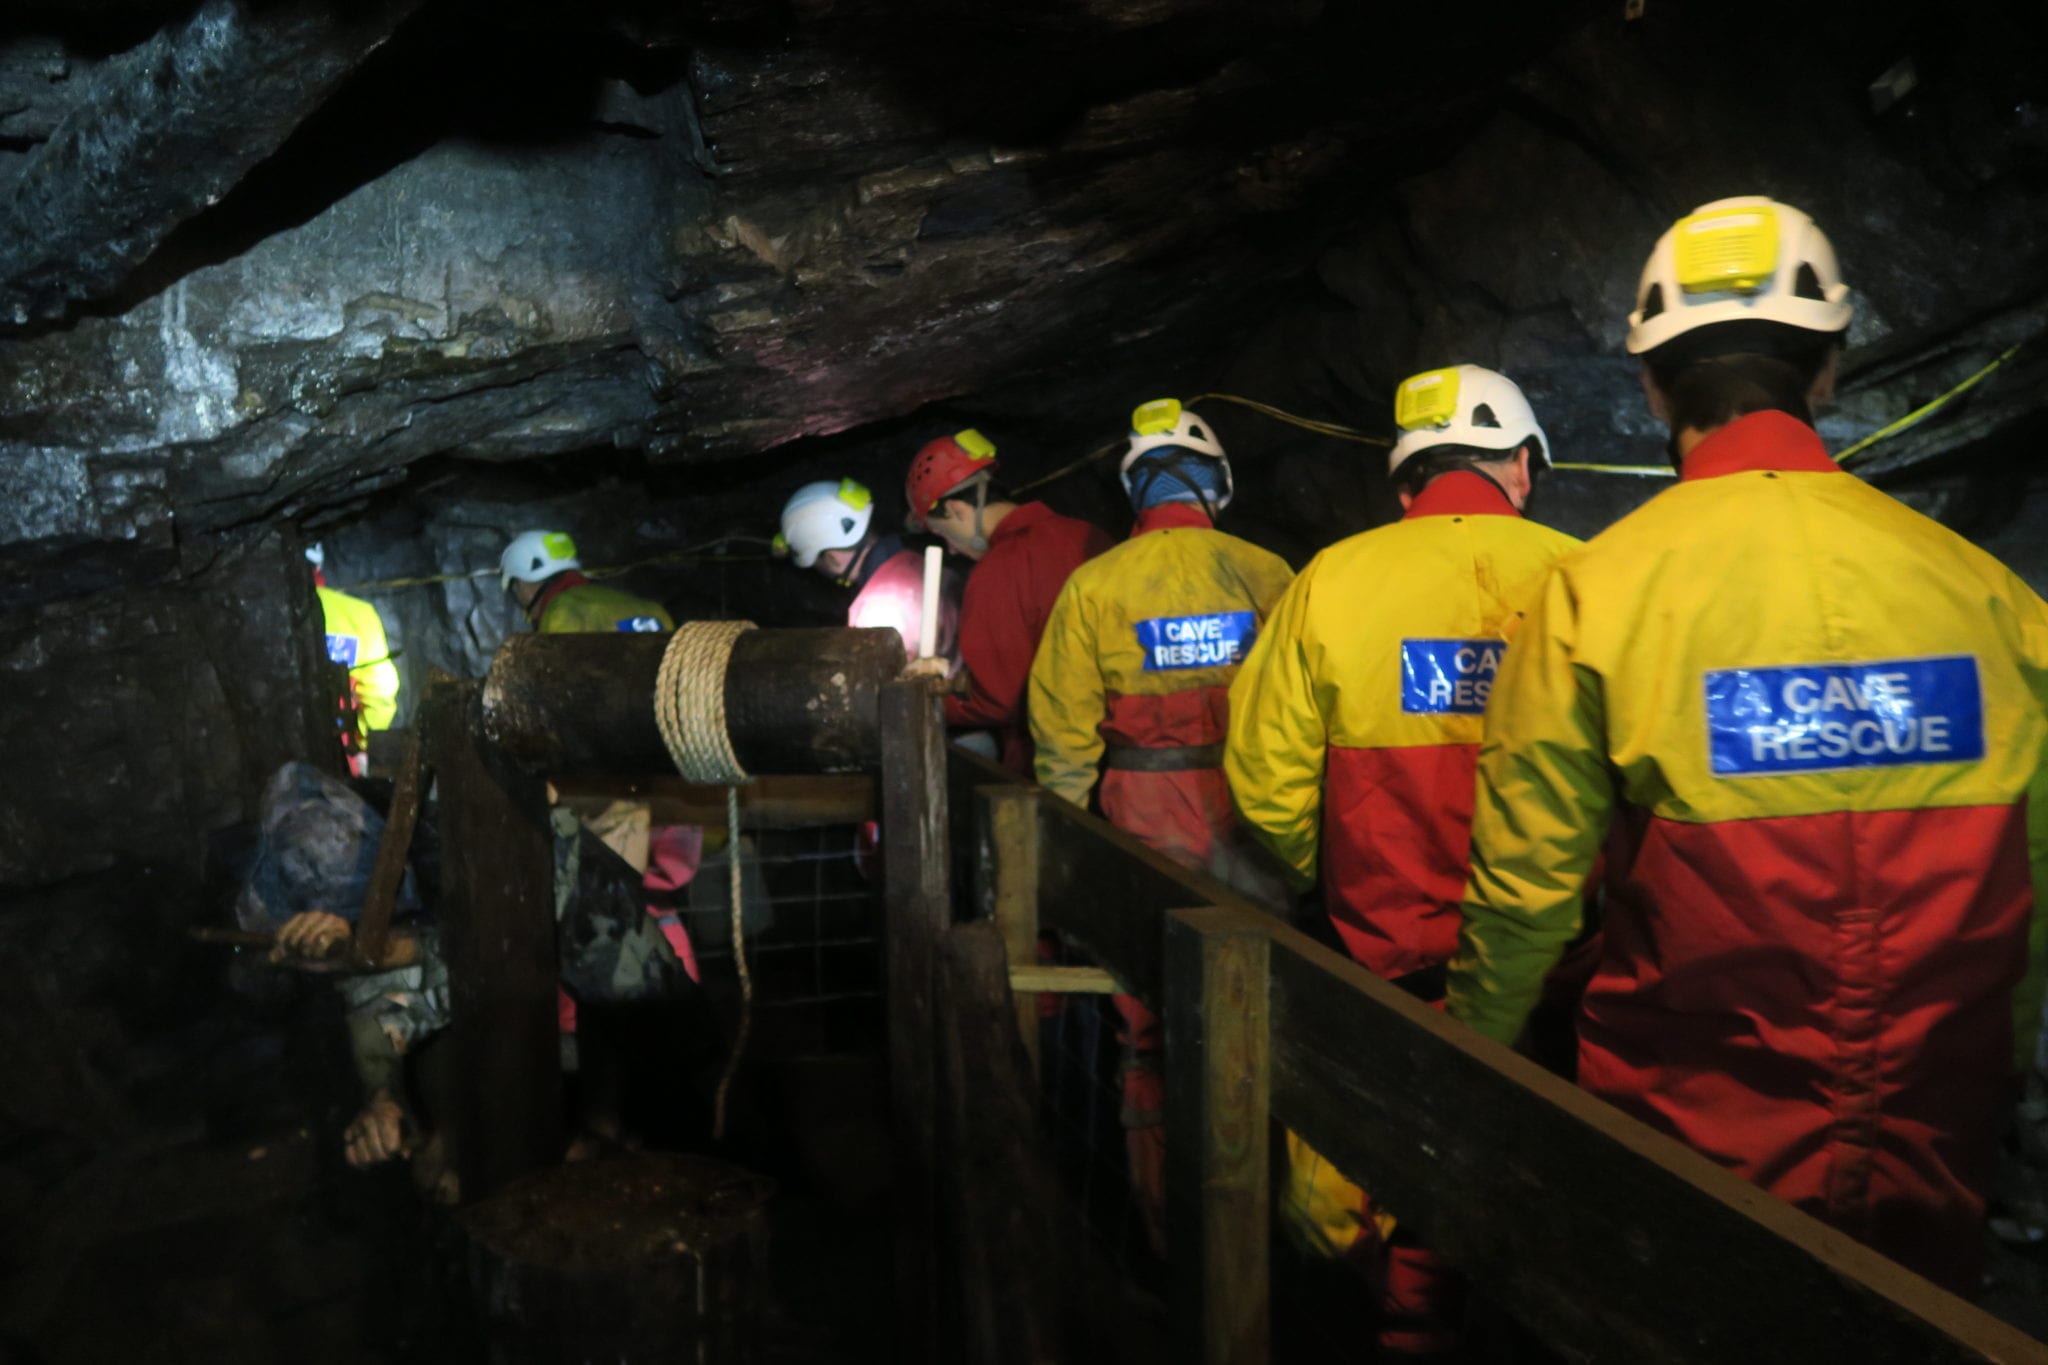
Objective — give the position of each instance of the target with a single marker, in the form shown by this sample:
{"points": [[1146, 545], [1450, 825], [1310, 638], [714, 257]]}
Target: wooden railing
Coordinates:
{"points": [[1609, 1240]]}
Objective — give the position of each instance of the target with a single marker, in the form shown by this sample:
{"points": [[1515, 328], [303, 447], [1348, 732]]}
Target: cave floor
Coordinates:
{"points": [[258, 1246], [264, 1248]]}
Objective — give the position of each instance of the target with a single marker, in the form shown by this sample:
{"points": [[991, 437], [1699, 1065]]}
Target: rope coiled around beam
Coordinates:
{"points": [[689, 709]]}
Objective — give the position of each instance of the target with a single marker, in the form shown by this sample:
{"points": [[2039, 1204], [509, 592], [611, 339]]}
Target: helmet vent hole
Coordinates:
{"points": [[846, 524], [1653, 302], [1482, 416], [1806, 284]]}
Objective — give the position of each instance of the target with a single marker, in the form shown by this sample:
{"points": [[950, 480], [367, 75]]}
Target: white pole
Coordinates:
{"points": [[928, 622]]}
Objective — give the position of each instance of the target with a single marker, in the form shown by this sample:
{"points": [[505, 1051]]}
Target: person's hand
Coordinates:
{"points": [[934, 667], [311, 934], [377, 1134]]}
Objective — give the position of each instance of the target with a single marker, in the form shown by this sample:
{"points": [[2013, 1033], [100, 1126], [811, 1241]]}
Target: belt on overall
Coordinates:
{"points": [[1180, 759]]}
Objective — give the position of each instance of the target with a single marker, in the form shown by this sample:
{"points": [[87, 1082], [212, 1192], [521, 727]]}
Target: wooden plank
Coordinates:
{"points": [[1640, 1245], [1006, 890], [998, 1190], [769, 801], [1218, 1145], [1110, 893], [387, 874], [1060, 981], [1610, 1240], [917, 909], [498, 936]]}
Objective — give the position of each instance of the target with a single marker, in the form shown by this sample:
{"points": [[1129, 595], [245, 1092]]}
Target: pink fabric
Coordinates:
{"points": [[674, 853]]}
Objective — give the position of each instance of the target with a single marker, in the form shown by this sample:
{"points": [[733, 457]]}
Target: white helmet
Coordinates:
{"points": [[1463, 405], [1163, 425], [824, 516], [316, 554], [1736, 260], [536, 555]]}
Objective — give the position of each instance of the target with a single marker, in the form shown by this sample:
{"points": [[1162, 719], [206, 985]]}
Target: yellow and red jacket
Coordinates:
{"points": [[1355, 723], [1816, 717], [573, 605], [1138, 654], [355, 639]]}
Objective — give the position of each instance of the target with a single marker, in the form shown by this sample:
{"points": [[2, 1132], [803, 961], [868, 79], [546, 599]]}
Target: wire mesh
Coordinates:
{"points": [[813, 923]]}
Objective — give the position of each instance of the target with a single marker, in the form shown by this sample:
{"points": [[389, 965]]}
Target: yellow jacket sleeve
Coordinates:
{"points": [[1274, 756], [2027, 997], [1067, 703], [1544, 799], [377, 677]]}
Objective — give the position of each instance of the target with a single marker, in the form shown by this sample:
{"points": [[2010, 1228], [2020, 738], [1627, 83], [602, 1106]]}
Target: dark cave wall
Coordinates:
{"points": [[137, 721]]}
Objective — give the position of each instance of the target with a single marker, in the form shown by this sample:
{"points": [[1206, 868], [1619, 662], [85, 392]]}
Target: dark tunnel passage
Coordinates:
{"points": [[405, 278]]}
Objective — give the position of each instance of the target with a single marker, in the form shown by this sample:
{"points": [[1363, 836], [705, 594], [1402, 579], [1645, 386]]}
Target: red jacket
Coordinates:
{"points": [[1355, 722], [1009, 597], [1818, 719]]}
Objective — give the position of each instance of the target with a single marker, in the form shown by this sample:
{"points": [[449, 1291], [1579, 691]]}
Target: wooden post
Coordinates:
{"points": [[1218, 1086], [1007, 872], [1000, 1193], [916, 912], [498, 935], [387, 875]]}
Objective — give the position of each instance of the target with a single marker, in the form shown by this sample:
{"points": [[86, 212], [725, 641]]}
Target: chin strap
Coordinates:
{"points": [[978, 544], [847, 579]]}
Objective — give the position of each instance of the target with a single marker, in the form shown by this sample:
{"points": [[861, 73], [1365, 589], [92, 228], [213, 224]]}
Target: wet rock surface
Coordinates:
{"points": [[709, 233]]}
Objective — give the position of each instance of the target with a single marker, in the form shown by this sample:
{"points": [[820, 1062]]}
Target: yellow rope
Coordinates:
{"points": [[689, 710], [1643, 471], [1335, 430], [691, 556], [1926, 410]]}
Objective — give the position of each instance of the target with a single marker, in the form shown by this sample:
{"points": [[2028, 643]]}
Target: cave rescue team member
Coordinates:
{"points": [[1354, 731], [830, 528], [541, 571], [1817, 716], [1022, 553], [355, 640], [1133, 675]]}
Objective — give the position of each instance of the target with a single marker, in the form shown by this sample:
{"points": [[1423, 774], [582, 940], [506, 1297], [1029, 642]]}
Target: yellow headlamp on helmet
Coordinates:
{"points": [[1429, 399], [1159, 415], [1730, 249]]}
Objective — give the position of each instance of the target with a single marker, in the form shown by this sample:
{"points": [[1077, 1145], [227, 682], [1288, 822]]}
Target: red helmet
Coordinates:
{"points": [[942, 466]]}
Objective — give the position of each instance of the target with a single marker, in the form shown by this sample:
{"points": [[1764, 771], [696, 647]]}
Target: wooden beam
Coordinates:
{"points": [[998, 1190], [917, 910], [1608, 1239], [1110, 893], [1218, 1145], [1637, 1248], [1059, 981], [796, 701], [387, 874], [1006, 890], [769, 801], [498, 936]]}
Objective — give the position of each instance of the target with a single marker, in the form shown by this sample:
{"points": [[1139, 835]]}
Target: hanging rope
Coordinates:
{"points": [[689, 709]]}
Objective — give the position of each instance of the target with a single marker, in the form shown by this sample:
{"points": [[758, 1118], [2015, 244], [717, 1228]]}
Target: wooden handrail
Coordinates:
{"points": [[1608, 1238]]}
